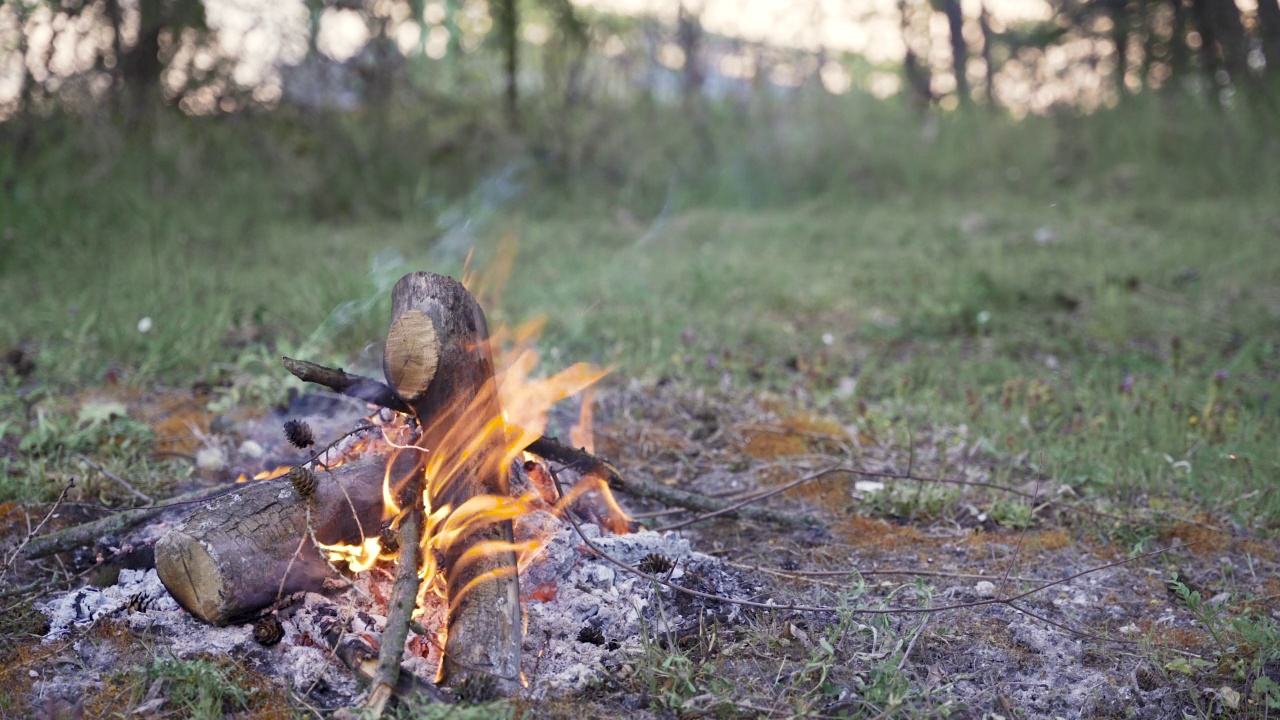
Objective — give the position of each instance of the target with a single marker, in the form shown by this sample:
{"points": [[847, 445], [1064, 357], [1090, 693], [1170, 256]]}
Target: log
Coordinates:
{"points": [[237, 553], [438, 361]]}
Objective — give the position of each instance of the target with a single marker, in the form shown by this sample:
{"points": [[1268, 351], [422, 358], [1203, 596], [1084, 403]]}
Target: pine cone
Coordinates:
{"points": [[268, 630], [476, 689], [299, 433], [655, 564], [303, 480]]}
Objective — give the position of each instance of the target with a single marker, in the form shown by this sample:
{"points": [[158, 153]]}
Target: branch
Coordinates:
{"points": [[404, 595], [340, 381], [585, 463], [1010, 600], [357, 653], [548, 448], [78, 535]]}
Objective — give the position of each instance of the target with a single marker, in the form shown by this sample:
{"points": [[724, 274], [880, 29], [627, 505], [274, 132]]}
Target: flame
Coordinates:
{"points": [[357, 557], [482, 440], [271, 474], [582, 435]]}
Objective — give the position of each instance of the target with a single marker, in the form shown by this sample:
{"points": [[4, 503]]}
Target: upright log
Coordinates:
{"points": [[438, 361]]}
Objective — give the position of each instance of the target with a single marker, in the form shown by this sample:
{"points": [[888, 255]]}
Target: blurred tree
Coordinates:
{"points": [[507, 25], [959, 50], [139, 65], [984, 21], [1269, 34], [917, 75]]}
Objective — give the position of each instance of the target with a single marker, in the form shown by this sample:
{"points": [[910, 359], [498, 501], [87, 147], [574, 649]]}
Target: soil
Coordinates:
{"points": [[1109, 642]]}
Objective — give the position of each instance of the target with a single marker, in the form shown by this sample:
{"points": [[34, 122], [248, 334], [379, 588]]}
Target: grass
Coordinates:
{"points": [[1092, 301]]}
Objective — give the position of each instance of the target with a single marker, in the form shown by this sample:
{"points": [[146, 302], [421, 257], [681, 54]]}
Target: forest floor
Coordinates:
{"points": [[1098, 371]]}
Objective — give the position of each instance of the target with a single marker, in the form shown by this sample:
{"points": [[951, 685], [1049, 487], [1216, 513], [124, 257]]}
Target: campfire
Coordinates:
{"points": [[442, 542]]}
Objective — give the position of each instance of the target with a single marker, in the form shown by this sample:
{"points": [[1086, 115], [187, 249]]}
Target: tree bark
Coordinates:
{"points": [[959, 50], [438, 360], [236, 553]]}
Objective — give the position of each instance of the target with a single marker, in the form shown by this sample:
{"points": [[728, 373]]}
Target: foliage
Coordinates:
{"points": [[201, 689]]}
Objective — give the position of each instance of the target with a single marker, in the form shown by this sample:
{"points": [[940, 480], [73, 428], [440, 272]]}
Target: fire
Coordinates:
{"points": [[481, 442], [271, 474]]}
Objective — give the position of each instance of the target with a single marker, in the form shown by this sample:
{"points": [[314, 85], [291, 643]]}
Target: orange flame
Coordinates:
{"points": [[484, 440]]}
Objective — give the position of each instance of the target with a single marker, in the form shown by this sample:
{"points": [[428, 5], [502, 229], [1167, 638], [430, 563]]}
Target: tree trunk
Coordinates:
{"points": [[1269, 33], [959, 50], [987, 36], [1119, 12], [438, 360], [139, 65], [239, 552], [919, 83], [507, 21]]}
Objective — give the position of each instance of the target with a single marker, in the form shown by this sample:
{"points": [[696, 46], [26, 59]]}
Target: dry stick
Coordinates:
{"points": [[32, 533], [548, 448], [585, 463], [805, 574], [404, 594], [356, 652], [119, 480], [86, 533], [911, 645], [340, 381], [861, 611], [375, 392], [753, 498]]}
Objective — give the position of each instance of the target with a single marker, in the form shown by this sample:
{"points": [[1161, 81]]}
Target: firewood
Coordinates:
{"points": [[236, 553], [438, 361], [550, 448]]}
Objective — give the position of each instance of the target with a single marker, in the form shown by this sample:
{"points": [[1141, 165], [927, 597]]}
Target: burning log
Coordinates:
{"points": [[237, 553], [439, 362]]}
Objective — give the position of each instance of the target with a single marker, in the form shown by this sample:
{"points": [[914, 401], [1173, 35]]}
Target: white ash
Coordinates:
{"points": [[141, 602], [83, 607], [567, 590]]}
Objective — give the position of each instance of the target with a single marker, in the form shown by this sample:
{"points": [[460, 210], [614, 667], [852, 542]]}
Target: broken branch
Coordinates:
{"points": [[550, 448], [585, 463], [344, 383], [87, 533], [404, 595]]}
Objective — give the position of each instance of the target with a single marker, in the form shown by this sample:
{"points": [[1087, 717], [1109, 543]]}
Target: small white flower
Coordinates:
{"points": [[828, 339], [144, 325], [984, 317]]}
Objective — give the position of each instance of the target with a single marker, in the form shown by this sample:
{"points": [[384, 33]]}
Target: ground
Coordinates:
{"points": [[1071, 382]]}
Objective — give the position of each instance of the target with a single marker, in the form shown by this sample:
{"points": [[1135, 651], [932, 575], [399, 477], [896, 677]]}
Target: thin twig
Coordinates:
{"points": [[911, 645], [585, 463], [802, 574], [754, 498], [861, 611], [36, 530], [119, 480]]}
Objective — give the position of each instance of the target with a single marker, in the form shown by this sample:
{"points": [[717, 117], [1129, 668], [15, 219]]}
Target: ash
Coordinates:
{"points": [[586, 616], [141, 605]]}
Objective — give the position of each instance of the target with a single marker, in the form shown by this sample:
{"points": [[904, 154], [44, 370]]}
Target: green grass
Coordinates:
{"points": [[1094, 298]]}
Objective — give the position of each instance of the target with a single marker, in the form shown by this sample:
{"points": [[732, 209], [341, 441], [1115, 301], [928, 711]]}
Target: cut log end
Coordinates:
{"points": [[412, 353]]}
